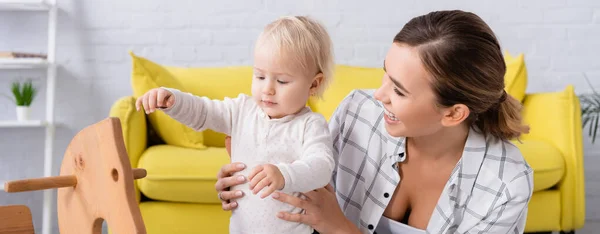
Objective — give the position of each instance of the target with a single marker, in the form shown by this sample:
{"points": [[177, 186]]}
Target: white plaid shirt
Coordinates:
{"points": [[488, 190]]}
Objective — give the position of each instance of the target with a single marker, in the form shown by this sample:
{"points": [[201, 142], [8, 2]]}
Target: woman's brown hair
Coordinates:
{"points": [[463, 56]]}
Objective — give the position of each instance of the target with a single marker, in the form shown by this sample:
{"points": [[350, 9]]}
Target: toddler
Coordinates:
{"points": [[285, 145]]}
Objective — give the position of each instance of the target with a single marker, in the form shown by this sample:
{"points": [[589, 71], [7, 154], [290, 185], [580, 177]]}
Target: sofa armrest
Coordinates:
{"points": [[555, 117], [133, 125]]}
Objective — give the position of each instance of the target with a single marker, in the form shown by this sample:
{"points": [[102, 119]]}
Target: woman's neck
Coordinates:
{"points": [[448, 144]]}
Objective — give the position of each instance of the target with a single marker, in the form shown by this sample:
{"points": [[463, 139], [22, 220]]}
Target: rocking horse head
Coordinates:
{"points": [[95, 183]]}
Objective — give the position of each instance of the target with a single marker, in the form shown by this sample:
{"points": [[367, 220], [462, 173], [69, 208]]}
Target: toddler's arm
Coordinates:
{"points": [[314, 169], [200, 113]]}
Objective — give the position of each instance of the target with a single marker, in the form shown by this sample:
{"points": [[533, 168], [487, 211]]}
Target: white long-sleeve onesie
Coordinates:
{"points": [[299, 145]]}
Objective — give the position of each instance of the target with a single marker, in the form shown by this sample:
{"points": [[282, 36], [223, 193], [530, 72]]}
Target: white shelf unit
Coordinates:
{"points": [[23, 63], [25, 5], [21, 124], [32, 63]]}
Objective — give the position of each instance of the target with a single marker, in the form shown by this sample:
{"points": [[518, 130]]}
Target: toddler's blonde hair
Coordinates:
{"points": [[303, 40]]}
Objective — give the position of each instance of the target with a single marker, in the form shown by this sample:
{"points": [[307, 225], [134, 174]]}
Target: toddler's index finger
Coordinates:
{"points": [[138, 102], [160, 99]]}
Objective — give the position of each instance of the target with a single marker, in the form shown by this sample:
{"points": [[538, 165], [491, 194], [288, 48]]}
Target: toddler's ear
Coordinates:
{"points": [[317, 80]]}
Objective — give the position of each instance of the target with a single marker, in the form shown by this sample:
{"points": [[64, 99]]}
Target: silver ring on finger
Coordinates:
{"points": [[219, 195]]}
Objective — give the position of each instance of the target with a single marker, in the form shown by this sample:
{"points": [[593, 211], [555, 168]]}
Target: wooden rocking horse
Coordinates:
{"points": [[95, 184]]}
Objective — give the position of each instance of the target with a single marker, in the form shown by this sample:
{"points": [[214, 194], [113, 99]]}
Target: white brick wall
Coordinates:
{"points": [[561, 39]]}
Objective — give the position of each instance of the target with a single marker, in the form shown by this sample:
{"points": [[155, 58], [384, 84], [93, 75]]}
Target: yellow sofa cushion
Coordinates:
{"points": [[147, 75], [546, 160], [184, 218], [215, 83], [515, 78], [181, 174], [346, 79]]}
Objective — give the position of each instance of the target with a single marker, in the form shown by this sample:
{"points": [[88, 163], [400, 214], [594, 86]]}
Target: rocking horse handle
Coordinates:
{"points": [[139, 173], [53, 182], [40, 183]]}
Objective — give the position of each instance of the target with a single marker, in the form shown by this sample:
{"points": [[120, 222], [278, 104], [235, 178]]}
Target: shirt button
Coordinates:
{"points": [[386, 195], [402, 157], [370, 227]]}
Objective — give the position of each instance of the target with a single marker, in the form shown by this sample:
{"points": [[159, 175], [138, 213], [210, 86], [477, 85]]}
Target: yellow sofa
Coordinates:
{"points": [[178, 194]]}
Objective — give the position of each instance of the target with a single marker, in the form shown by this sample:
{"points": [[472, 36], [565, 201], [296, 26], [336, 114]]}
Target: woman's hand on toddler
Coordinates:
{"points": [[155, 98], [266, 175]]}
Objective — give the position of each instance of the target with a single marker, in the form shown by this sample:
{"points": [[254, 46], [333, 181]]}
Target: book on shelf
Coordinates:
{"points": [[13, 54]]}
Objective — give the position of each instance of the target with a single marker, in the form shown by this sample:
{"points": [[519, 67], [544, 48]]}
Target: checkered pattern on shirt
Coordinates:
{"points": [[487, 192]]}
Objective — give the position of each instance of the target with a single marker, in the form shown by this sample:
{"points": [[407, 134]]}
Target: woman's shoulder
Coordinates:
{"points": [[505, 160], [357, 101], [498, 184]]}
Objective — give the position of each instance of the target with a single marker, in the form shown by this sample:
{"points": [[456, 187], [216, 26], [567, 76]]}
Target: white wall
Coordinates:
{"points": [[560, 38]]}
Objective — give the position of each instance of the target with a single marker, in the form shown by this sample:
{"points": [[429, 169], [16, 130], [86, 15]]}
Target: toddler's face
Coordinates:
{"points": [[279, 86]]}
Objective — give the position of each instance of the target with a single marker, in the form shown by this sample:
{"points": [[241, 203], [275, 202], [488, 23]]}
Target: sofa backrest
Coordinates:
{"points": [[215, 83]]}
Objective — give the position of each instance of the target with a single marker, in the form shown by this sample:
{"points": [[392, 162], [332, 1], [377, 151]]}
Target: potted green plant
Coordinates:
{"points": [[23, 94], [590, 111]]}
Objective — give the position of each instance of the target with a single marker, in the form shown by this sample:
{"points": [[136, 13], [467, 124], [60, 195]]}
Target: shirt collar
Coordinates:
{"points": [[284, 119], [465, 173]]}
